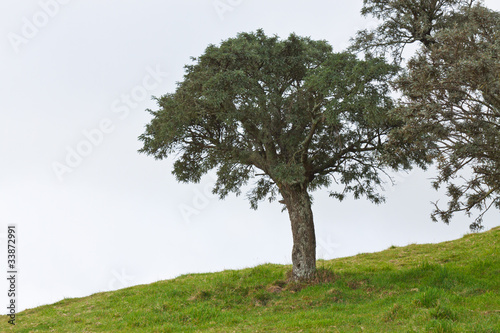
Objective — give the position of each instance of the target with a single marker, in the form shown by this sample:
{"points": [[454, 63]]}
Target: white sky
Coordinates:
{"points": [[116, 219]]}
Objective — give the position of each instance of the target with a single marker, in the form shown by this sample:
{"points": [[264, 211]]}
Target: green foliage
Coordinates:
{"points": [[451, 94], [285, 111], [405, 22], [398, 290]]}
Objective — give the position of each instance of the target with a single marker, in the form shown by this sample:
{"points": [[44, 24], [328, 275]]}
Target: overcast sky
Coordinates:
{"points": [[93, 214]]}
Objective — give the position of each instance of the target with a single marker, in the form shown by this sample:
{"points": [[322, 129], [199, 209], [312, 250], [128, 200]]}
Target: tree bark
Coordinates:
{"points": [[298, 204]]}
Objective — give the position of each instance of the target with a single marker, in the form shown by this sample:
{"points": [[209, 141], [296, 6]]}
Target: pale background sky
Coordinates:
{"points": [[119, 218]]}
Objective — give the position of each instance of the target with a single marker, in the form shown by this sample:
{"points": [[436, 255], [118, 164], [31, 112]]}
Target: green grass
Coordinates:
{"points": [[448, 287]]}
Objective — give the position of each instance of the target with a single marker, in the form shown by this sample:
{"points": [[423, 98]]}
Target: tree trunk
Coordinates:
{"points": [[298, 205]]}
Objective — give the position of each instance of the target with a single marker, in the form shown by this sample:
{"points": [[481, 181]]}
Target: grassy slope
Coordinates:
{"points": [[447, 287]]}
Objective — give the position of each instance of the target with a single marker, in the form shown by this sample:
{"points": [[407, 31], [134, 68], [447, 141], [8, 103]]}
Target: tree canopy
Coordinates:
{"points": [[405, 22], [291, 114], [451, 93], [291, 108]]}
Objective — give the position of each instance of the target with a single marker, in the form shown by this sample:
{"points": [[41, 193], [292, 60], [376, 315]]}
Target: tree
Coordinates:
{"points": [[290, 113], [451, 96], [405, 22]]}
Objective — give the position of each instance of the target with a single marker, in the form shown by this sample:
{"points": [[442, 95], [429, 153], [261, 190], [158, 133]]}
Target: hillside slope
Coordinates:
{"points": [[447, 287]]}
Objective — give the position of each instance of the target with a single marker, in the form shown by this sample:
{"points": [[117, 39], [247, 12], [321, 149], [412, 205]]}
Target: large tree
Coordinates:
{"points": [[450, 93], [290, 114]]}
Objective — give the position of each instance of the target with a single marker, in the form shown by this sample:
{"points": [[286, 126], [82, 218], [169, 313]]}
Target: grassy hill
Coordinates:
{"points": [[448, 287]]}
